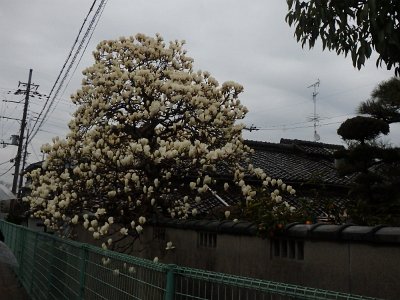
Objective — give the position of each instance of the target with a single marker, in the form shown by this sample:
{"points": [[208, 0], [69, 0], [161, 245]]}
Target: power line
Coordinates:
{"points": [[5, 162], [299, 127], [37, 125], [34, 130], [7, 171], [285, 126], [79, 61]]}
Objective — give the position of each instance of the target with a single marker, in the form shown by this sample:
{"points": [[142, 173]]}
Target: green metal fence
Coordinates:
{"points": [[55, 268]]}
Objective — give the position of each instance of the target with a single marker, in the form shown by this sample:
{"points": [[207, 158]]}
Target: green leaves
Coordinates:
{"points": [[362, 128], [350, 26], [375, 165]]}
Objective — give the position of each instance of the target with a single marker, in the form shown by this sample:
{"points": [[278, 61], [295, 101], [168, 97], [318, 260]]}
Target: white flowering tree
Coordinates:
{"points": [[147, 136]]}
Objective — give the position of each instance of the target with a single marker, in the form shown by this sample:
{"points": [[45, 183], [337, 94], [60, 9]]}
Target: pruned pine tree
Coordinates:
{"points": [[375, 196]]}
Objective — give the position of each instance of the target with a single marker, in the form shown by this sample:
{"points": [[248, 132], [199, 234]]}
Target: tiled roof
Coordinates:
{"points": [[335, 201], [313, 147], [33, 166], [298, 161], [209, 202]]}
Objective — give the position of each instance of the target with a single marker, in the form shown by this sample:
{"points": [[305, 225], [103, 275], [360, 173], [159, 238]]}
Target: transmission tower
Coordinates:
{"points": [[315, 118]]}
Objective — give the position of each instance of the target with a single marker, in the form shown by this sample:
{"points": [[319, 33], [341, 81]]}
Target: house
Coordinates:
{"points": [[310, 167], [6, 197], [352, 259]]}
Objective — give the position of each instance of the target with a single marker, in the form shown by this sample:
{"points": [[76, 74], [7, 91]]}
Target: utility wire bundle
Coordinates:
{"points": [[81, 42]]}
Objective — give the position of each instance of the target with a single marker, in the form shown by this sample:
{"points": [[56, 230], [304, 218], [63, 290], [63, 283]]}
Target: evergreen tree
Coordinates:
{"points": [[375, 196]]}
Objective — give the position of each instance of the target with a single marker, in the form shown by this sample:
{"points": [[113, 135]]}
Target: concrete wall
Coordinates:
{"points": [[357, 260], [362, 268]]}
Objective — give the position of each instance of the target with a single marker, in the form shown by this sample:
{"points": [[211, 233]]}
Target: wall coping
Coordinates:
{"points": [[320, 231]]}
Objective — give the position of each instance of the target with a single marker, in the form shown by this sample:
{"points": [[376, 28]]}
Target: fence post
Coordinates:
{"points": [[82, 279], [170, 285]]}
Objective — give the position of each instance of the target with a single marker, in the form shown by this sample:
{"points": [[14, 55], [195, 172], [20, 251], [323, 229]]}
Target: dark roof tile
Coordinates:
{"points": [[297, 162]]}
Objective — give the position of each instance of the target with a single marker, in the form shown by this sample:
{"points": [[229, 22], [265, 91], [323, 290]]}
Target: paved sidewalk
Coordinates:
{"points": [[10, 287]]}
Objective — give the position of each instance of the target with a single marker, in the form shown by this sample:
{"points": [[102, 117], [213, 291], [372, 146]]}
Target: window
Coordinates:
{"points": [[290, 249], [207, 239]]}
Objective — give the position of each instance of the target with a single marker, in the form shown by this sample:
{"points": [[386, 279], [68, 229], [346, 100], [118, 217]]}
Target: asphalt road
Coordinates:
{"points": [[10, 287]]}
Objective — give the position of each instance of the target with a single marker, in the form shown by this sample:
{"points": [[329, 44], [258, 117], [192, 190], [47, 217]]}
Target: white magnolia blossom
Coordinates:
{"points": [[226, 186], [139, 229], [105, 261], [100, 212], [94, 223], [75, 219], [170, 246], [123, 231], [148, 129]]}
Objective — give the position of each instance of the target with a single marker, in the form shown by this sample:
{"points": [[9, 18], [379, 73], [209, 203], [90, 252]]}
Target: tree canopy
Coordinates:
{"points": [[362, 128], [356, 27], [149, 135], [375, 196], [384, 103]]}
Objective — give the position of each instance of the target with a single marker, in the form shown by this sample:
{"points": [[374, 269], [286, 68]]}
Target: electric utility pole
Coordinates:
{"points": [[22, 132], [23, 165]]}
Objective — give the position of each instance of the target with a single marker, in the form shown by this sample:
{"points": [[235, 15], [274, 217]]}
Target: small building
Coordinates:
{"points": [[6, 197]]}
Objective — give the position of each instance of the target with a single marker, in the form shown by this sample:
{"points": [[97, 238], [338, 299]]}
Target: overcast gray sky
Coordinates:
{"points": [[244, 41]]}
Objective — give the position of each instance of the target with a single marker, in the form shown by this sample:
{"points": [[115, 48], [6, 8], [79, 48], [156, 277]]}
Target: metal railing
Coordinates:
{"points": [[55, 268]]}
